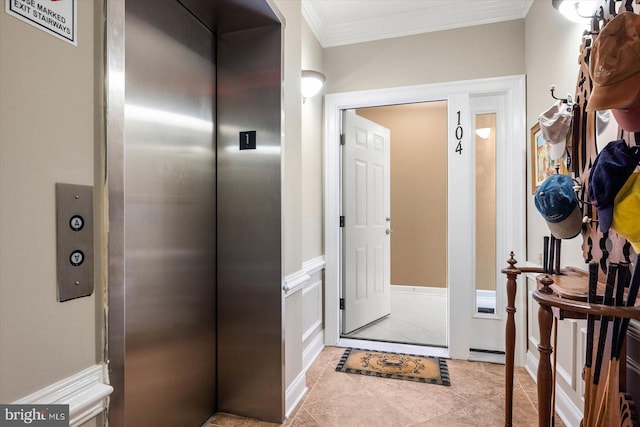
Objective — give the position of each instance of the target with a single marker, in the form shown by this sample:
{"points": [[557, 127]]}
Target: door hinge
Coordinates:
{"points": [[341, 303], [342, 139], [341, 220]]}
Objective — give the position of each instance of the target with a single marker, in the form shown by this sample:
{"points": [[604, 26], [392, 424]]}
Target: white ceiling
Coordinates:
{"points": [[340, 22]]}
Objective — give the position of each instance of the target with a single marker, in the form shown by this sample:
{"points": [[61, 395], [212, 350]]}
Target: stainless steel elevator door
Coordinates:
{"points": [[170, 217]]}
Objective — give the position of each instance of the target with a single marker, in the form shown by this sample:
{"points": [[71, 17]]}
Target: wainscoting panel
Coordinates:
{"points": [[312, 307], [304, 328], [85, 392]]}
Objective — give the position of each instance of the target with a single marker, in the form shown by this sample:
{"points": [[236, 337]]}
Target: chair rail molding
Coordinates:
{"points": [[296, 281], [85, 392]]}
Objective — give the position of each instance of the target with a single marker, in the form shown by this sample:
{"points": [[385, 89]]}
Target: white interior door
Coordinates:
{"points": [[367, 223]]}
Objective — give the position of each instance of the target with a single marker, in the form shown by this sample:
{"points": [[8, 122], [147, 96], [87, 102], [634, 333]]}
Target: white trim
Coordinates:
{"points": [[532, 365], [570, 414], [311, 329], [535, 342], [85, 392], [310, 287], [294, 282], [420, 350], [295, 392], [514, 88], [312, 350], [569, 377], [436, 17], [313, 265], [404, 289], [305, 291], [486, 299]]}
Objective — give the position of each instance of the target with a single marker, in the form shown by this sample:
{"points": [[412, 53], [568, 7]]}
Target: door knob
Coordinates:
{"points": [[388, 231]]}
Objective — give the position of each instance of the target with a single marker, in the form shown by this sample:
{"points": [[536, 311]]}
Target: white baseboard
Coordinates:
{"points": [[295, 392], [419, 289], [84, 392], [312, 350], [531, 365], [570, 414]]}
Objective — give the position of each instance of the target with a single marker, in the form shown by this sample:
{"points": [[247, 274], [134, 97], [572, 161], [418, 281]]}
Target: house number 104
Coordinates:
{"points": [[459, 133]]}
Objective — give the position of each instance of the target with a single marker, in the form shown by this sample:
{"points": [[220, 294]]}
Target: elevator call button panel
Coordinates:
{"points": [[74, 233]]}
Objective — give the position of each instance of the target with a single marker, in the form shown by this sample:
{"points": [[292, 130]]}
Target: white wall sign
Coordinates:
{"points": [[56, 17]]}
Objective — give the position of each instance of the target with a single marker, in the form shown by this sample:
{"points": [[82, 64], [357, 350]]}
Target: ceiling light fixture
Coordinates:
{"points": [[312, 82], [579, 11]]}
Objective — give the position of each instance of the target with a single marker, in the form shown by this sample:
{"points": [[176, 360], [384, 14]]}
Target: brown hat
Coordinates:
{"points": [[615, 63]]}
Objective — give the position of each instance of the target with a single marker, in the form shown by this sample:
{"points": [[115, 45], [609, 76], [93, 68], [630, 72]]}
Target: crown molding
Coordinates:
{"points": [[423, 18]]}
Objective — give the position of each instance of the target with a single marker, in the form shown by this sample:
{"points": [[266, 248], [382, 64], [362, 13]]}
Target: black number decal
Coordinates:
{"points": [[459, 133]]}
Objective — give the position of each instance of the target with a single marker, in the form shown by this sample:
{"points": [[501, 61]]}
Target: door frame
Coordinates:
{"points": [[513, 182]]}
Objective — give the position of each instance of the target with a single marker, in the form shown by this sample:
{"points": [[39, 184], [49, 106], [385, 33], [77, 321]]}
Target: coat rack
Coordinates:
{"points": [[567, 100], [599, 248], [596, 246]]}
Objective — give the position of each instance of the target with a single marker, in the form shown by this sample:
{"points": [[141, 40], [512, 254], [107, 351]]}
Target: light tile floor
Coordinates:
{"points": [[336, 399], [416, 318]]}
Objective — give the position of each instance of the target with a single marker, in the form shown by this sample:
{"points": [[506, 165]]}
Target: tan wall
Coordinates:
{"points": [[418, 191], [50, 130], [465, 53]]}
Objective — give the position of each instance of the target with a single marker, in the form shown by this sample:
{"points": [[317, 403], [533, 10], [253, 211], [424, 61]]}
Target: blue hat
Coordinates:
{"points": [[556, 201], [611, 169]]}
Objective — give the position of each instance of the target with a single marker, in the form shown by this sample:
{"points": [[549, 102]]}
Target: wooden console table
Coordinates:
{"points": [[572, 305]]}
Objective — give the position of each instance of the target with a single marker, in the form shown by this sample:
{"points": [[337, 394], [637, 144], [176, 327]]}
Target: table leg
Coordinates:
{"points": [[510, 344], [545, 321]]}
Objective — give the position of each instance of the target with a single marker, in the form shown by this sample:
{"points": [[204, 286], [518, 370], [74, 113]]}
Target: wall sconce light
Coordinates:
{"points": [[579, 11], [312, 82], [483, 132]]}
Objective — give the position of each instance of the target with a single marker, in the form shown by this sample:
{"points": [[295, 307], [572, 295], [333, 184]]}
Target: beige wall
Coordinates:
{"points": [[466, 53], [551, 59], [292, 158], [418, 191], [50, 131], [312, 218]]}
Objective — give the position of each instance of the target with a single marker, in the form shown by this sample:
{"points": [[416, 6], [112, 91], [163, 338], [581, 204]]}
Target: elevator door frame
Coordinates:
{"points": [[232, 16]]}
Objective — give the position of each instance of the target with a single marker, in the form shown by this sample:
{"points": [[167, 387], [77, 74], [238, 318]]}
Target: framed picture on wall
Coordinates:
{"points": [[541, 164]]}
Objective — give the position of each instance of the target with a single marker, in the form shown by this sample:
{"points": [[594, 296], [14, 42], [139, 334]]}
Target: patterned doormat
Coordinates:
{"points": [[410, 367]]}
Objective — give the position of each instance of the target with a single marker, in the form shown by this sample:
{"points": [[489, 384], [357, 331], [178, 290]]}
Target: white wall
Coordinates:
{"points": [[312, 237], [551, 59], [292, 201], [302, 188], [50, 131]]}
